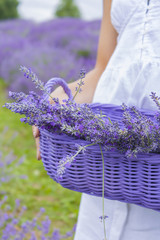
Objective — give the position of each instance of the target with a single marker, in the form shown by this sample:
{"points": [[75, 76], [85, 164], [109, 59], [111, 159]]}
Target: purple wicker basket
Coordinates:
{"points": [[134, 180]]}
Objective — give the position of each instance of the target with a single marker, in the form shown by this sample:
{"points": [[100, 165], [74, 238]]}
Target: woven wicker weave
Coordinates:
{"points": [[128, 180]]}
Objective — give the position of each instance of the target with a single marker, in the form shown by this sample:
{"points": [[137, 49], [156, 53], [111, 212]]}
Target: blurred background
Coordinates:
{"points": [[40, 10], [53, 38]]}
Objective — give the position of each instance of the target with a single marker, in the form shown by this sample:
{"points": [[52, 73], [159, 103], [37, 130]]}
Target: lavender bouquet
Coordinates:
{"points": [[135, 134]]}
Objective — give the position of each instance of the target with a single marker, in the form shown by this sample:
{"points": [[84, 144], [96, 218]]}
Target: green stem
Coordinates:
{"points": [[103, 195], [48, 94], [76, 93]]}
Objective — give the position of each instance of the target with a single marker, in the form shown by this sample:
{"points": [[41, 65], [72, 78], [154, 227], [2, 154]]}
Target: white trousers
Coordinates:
{"points": [[125, 221]]}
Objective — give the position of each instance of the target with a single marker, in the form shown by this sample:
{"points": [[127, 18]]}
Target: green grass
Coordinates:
{"points": [[38, 190]]}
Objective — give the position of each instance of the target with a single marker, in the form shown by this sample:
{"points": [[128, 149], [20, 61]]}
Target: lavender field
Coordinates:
{"points": [[58, 47], [55, 48]]}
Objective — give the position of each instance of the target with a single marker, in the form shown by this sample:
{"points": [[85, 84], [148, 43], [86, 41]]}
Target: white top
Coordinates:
{"points": [[132, 73]]}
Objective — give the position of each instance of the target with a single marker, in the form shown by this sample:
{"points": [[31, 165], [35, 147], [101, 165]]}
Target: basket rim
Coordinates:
{"points": [[152, 157]]}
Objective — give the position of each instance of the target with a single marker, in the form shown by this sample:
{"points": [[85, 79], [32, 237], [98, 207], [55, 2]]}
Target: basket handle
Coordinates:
{"points": [[57, 81]]}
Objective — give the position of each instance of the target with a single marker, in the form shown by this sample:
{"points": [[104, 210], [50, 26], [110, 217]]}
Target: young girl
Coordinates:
{"points": [[127, 70]]}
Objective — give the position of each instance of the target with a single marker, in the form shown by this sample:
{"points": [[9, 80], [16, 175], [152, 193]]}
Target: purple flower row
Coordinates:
{"points": [[51, 48], [12, 228]]}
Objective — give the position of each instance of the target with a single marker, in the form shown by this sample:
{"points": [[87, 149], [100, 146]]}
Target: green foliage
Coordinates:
{"points": [[8, 9], [83, 53], [67, 8]]}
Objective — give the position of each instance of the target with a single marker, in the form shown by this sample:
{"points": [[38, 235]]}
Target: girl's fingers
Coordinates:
{"points": [[35, 131], [38, 148]]}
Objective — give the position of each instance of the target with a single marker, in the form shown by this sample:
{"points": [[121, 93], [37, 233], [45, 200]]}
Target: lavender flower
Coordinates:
{"points": [[101, 218], [29, 74], [81, 83]]}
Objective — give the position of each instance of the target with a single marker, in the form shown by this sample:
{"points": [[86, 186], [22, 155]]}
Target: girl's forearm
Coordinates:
{"points": [[88, 89]]}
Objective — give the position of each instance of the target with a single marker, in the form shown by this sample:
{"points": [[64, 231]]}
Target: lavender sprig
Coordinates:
{"points": [[30, 74], [81, 83], [68, 160]]}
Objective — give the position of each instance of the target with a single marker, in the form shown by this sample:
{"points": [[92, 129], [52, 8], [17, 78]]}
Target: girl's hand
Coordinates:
{"points": [[35, 131], [58, 93]]}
